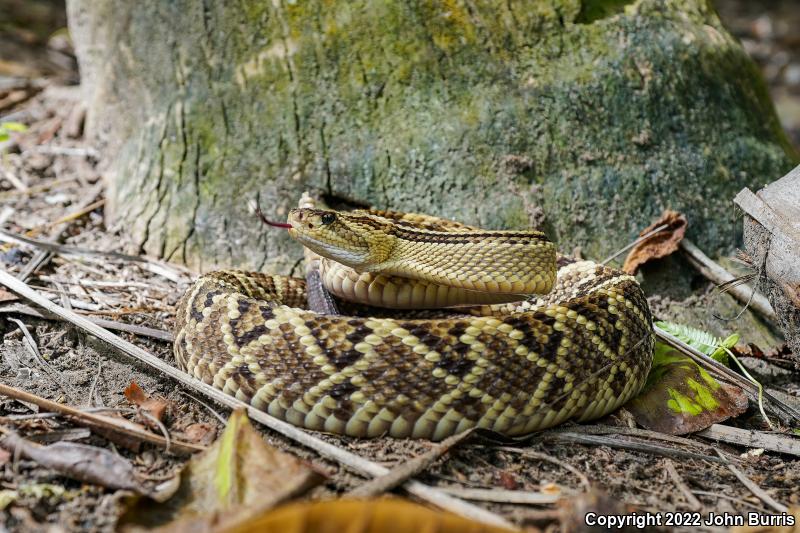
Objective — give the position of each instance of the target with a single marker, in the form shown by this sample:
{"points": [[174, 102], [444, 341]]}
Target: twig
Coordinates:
{"points": [[39, 259], [760, 493], [69, 217], [91, 396], [37, 416], [167, 439], [753, 439], [210, 409], [409, 469], [503, 496], [599, 429], [550, 459], [43, 256], [98, 421], [351, 460], [753, 380], [31, 344], [157, 267], [15, 181], [102, 322], [694, 503], [66, 151], [643, 238], [720, 276], [64, 296], [6, 213], [56, 435], [73, 303], [104, 284], [597, 440], [729, 498], [7, 236], [6, 195]]}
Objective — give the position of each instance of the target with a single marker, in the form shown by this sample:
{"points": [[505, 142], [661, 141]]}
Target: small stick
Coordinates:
{"points": [[730, 498], [66, 151], [99, 421], [69, 217], [353, 461], [409, 469], [6, 195], [720, 276], [38, 416], [550, 459], [599, 429], [142, 331], [15, 181], [171, 272], [503, 496], [630, 445], [48, 370], [64, 296], [43, 255], [92, 390], [39, 259], [210, 409], [104, 284], [56, 435], [643, 238], [691, 499], [760, 493], [6, 214], [753, 439]]}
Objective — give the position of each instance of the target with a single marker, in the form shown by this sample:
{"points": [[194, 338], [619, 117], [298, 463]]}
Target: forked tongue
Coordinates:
{"points": [[268, 222]]}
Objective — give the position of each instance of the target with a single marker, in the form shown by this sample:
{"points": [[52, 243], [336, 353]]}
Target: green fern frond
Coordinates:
{"points": [[702, 340]]}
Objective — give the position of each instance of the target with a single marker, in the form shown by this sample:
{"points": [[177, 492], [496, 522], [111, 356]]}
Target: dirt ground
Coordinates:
{"points": [[55, 194]]}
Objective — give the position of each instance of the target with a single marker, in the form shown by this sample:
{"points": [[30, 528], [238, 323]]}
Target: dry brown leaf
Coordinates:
{"points": [[658, 245], [78, 461], [156, 407], [508, 481], [237, 477], [384, 515], [134, 394], [200, 433], [680, 397]]}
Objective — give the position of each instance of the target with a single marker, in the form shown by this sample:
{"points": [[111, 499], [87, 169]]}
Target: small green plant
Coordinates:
{"points": [[716, 349], [702, 340], [7, 127]]}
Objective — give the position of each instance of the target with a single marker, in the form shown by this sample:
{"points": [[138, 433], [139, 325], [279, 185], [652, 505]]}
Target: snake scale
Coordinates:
{"points": [[577, 352]]}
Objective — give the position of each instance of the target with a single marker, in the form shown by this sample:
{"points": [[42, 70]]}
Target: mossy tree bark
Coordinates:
{"points": [[585, 117]]}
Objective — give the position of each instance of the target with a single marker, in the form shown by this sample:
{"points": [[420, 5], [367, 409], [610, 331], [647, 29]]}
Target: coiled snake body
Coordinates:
{"points": [[578, 352]]}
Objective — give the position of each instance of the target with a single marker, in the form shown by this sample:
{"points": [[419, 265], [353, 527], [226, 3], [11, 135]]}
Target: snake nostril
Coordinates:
{"points": [[310, 225]]}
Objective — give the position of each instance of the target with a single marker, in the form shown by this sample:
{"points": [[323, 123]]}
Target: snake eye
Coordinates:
{"points": [[327, 218]]}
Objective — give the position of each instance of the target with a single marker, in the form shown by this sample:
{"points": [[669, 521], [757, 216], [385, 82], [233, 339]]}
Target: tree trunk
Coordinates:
{"points": [[587, 118]]}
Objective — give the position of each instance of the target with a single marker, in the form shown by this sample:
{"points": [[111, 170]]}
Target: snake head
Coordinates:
{"points": [[352, 240]]}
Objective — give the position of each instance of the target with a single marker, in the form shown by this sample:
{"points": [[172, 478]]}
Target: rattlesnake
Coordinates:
{"points": [[578, 352]]}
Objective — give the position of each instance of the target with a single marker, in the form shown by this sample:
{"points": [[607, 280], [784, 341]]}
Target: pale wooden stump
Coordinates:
{"points": [[772, 238]]}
